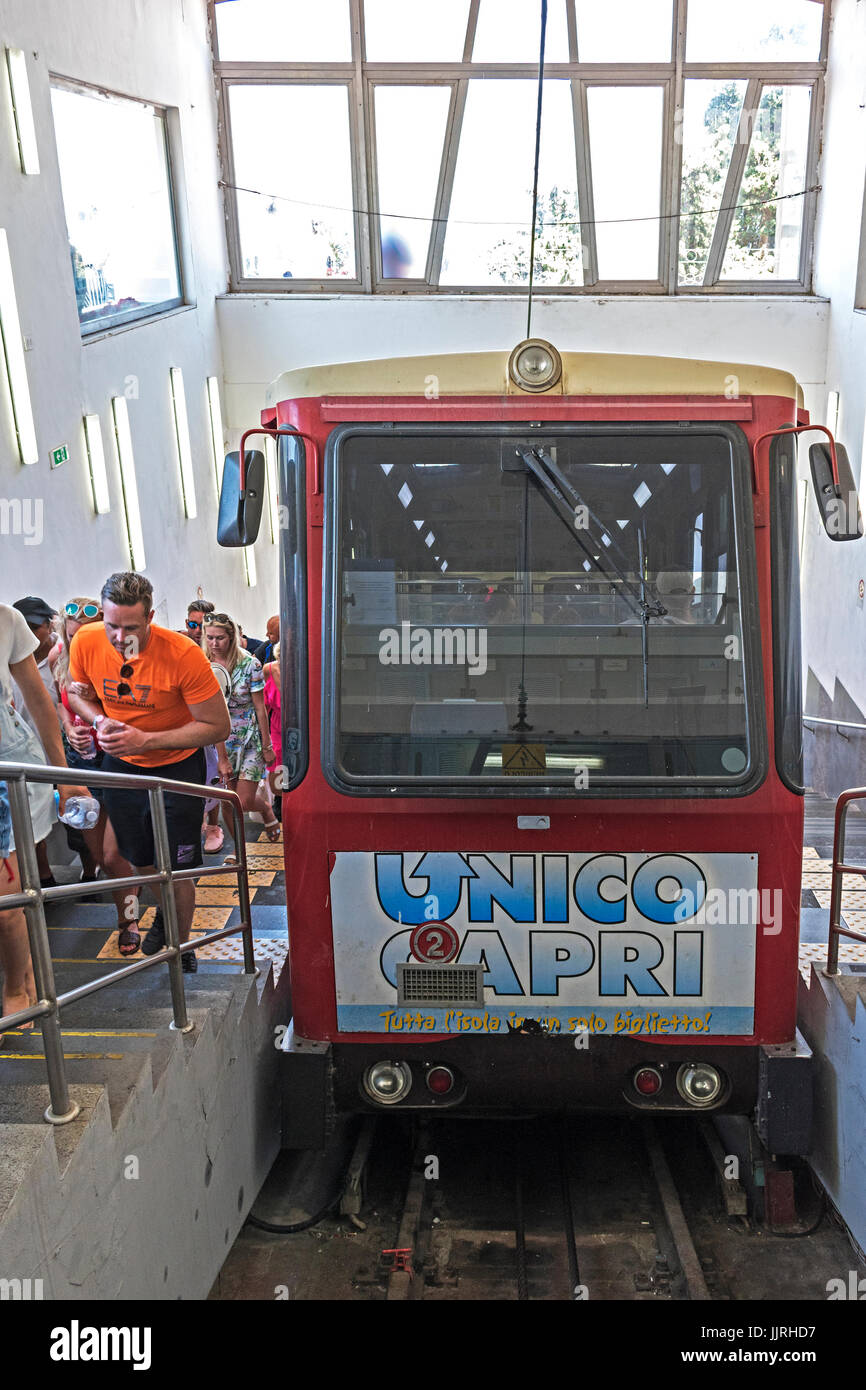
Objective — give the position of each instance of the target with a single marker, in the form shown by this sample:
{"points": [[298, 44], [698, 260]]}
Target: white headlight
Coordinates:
{"points": [[699, 1083], [535, 365], [387, 1082]]}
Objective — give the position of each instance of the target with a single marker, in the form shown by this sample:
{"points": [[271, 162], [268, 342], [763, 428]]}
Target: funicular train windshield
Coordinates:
{"points": [[562, 599]]}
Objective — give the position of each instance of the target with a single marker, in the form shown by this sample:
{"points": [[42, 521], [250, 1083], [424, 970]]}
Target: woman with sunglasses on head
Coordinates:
{"points": [[196, 613], [245, 755], [83, 752]]}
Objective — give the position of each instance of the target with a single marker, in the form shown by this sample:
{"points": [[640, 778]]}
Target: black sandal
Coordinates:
{"points": [[130, 939]]}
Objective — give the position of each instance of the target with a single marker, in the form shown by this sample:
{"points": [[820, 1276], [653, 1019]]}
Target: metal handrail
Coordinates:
{"points": [[835, 723], [33, 898], [839, 869]]}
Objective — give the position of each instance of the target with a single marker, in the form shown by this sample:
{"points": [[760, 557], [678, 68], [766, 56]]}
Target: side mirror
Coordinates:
{"points": [[240, 517], [839, 507]]}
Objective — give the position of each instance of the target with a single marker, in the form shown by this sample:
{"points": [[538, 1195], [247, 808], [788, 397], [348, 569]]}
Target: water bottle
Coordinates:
{"points": [[81, 812], [82, 724]]}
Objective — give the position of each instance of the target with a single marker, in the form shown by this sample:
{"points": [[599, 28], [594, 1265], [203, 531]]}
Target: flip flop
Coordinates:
{"points": [[209, 847], [272, 830], [130, 939]]}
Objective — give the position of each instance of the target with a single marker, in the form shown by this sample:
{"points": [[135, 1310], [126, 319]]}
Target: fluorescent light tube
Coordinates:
{"points": [[126, 460], [96, 461], [13, 350], [184, 447], [28, 150], [216, 429]]}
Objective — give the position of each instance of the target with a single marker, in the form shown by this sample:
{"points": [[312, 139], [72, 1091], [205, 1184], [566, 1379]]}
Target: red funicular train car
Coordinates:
{"points": [[541, 689]]}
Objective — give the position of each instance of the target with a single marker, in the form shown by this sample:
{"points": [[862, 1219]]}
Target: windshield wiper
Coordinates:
{"points": [[565, 501]]}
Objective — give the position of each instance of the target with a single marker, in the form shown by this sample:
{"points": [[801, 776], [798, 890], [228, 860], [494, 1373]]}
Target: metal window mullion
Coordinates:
{"points": [[448, 164], [767, 72], [230, 198], [810, 199], [583, 164], [471, 29], [451, 72], [450, 146], [667, 186], [736, 170], [674, 137], [571, 30], [285, 72], [375, 235], [825, 33], [360, 153]]}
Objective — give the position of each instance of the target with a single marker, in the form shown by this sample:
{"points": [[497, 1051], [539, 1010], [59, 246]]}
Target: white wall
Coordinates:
{"points": [[263, 336], [834, 616], [156, 50]]}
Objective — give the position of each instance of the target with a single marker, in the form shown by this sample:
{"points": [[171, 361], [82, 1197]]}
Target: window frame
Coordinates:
{"points": [[362, 77], [94, 328], [292, 577], [635, 788]]}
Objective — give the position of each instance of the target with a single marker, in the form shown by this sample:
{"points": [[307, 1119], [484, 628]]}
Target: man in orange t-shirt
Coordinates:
{"points": [[154, 702]]}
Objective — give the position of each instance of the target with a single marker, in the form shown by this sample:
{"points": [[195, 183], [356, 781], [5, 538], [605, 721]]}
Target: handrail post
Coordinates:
{"points": [[836, 886], [62, 1108], [243, 889], [181, 1021]]}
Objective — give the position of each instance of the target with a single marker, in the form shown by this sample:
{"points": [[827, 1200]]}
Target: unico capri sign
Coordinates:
{"points": [[660, 944]]}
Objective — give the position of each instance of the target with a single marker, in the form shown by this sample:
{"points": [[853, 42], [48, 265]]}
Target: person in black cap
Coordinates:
{"points": [[38, 616]]}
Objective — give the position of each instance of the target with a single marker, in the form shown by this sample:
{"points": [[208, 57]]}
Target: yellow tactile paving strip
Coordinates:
{"points": [[206, 919], [216, 897], [851, 883], [257, 878], [817, 875]]}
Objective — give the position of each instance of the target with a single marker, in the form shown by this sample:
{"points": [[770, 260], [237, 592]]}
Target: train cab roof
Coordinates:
{"points": [[491, 374]]}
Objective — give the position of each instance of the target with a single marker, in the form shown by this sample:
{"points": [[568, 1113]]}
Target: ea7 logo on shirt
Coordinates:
{"points": [[109, 691]]}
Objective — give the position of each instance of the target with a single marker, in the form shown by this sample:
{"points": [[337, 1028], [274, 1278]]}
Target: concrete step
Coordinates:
{"points": [[110, 1037], [22, 1108]]}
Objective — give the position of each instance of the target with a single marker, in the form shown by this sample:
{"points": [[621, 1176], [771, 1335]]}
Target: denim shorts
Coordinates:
{"points": [[5, 822]]}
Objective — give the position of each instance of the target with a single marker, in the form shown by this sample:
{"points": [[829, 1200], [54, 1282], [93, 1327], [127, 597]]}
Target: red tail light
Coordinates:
{"points": [[440, 1080], [647, 1081]]}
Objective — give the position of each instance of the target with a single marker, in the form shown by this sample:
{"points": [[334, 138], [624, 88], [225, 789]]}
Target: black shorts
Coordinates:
{"points": [[129, 812]]}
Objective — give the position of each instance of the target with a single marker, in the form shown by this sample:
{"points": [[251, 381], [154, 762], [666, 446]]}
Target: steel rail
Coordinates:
{"points": [[690, 1265]]}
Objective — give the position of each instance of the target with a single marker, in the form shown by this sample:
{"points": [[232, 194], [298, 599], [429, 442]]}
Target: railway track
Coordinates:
{"points": [[552, 1210]]}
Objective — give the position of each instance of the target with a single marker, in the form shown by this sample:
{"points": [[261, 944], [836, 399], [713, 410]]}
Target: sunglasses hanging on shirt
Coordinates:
{"points": [[126, 670]]}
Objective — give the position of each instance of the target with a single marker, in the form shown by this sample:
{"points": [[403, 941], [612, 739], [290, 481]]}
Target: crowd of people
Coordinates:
{"points": [[100, 686]]}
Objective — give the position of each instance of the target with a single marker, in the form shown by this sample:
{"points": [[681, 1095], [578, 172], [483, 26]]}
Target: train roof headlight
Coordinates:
{"points": [[535, 365]]}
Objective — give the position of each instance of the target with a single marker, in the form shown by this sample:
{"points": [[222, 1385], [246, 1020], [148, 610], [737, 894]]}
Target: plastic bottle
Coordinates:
{"points": [[79, 723], [81, 812]]}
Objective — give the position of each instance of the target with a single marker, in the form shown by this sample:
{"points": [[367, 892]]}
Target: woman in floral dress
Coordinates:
{"points": [[247, 751]]}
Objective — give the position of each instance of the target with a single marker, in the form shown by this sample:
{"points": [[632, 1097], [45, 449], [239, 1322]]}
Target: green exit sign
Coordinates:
{"points": [[59, 456]]}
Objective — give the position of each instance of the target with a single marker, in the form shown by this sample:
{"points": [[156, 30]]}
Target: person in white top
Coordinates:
{"points": [[39, 616], [18, 744]]}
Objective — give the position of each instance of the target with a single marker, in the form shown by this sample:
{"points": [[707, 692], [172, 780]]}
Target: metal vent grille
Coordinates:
{"points": [[440, 984]]}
